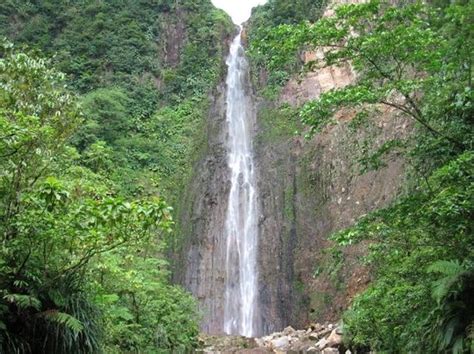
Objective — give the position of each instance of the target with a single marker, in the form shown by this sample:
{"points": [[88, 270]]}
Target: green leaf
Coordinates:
{"points": [[23, 301], [64, 319]]}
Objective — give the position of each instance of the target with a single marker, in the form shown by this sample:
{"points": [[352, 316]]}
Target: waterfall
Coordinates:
{"points": [[241, 229]]}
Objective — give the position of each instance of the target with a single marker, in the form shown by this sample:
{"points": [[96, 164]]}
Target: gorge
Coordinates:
{"points": [[306, 191], [168, 178]]}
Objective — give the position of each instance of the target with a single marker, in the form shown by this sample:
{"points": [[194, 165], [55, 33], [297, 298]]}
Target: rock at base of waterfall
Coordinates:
{"points": [[315, 327], [280, 343], [260, 342], [323, 342], [334, 339], [232, 344], [315, 339]]}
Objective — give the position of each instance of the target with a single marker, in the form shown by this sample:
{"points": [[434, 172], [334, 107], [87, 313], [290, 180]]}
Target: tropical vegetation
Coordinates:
{"points": [[415, 58], [101, 105]]}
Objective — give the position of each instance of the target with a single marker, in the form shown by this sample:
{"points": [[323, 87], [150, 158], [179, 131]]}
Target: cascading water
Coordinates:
{"points": [[241, 229]]}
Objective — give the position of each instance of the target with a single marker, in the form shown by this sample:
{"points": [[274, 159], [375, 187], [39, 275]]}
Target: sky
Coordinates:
{"points": [[239, 10]]}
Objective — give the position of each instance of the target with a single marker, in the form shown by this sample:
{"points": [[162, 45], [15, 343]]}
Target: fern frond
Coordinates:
{"points": [[23, 301], [452, 271], [20, 283], [64, 319], [448, 268]]}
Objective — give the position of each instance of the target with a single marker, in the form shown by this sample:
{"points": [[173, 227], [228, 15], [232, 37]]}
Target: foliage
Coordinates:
{"points": [[143, 70], [59, 221], [82, 266], [107, 115], [262, 24], [408, 240], [121, 43], [130, 60], [399, 54], [149, 314], [417, 59]]}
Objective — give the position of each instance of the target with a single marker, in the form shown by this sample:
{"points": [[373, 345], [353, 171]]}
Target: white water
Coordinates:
{"points": [[240, 312]]}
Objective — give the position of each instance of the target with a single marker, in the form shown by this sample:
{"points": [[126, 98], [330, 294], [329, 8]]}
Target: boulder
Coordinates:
{"points": [[322, 344], [280, 343], [316, 327], [288, 331], [300, 333], [260, 342], [330, 351], [334, 339]]}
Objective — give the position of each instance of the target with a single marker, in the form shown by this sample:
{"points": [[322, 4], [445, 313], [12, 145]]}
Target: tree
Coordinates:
{"points": [[417, 59], [401, 57], [59, 220]]}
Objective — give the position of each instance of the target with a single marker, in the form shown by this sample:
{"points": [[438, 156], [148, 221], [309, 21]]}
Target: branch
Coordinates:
{"points": [[87, 257], [417, 115], [10, 154], [421, 120]]}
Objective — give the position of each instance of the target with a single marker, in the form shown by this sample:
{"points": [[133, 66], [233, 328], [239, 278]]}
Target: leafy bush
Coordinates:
{"points": [[263, 22], [60, 222], [416, 59]]}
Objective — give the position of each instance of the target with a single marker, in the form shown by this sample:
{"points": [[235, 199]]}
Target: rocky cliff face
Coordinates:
{"points": [[308, 189], [311, 189], [204, 220]]}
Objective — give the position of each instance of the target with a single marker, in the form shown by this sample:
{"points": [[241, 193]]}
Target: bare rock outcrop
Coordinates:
{"points": [[317, 338], [204, 216], [313, 188]]}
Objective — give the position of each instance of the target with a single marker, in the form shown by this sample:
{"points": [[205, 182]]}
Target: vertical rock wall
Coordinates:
{"points": [[203, 219], [313, 188], [309, 190]]}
